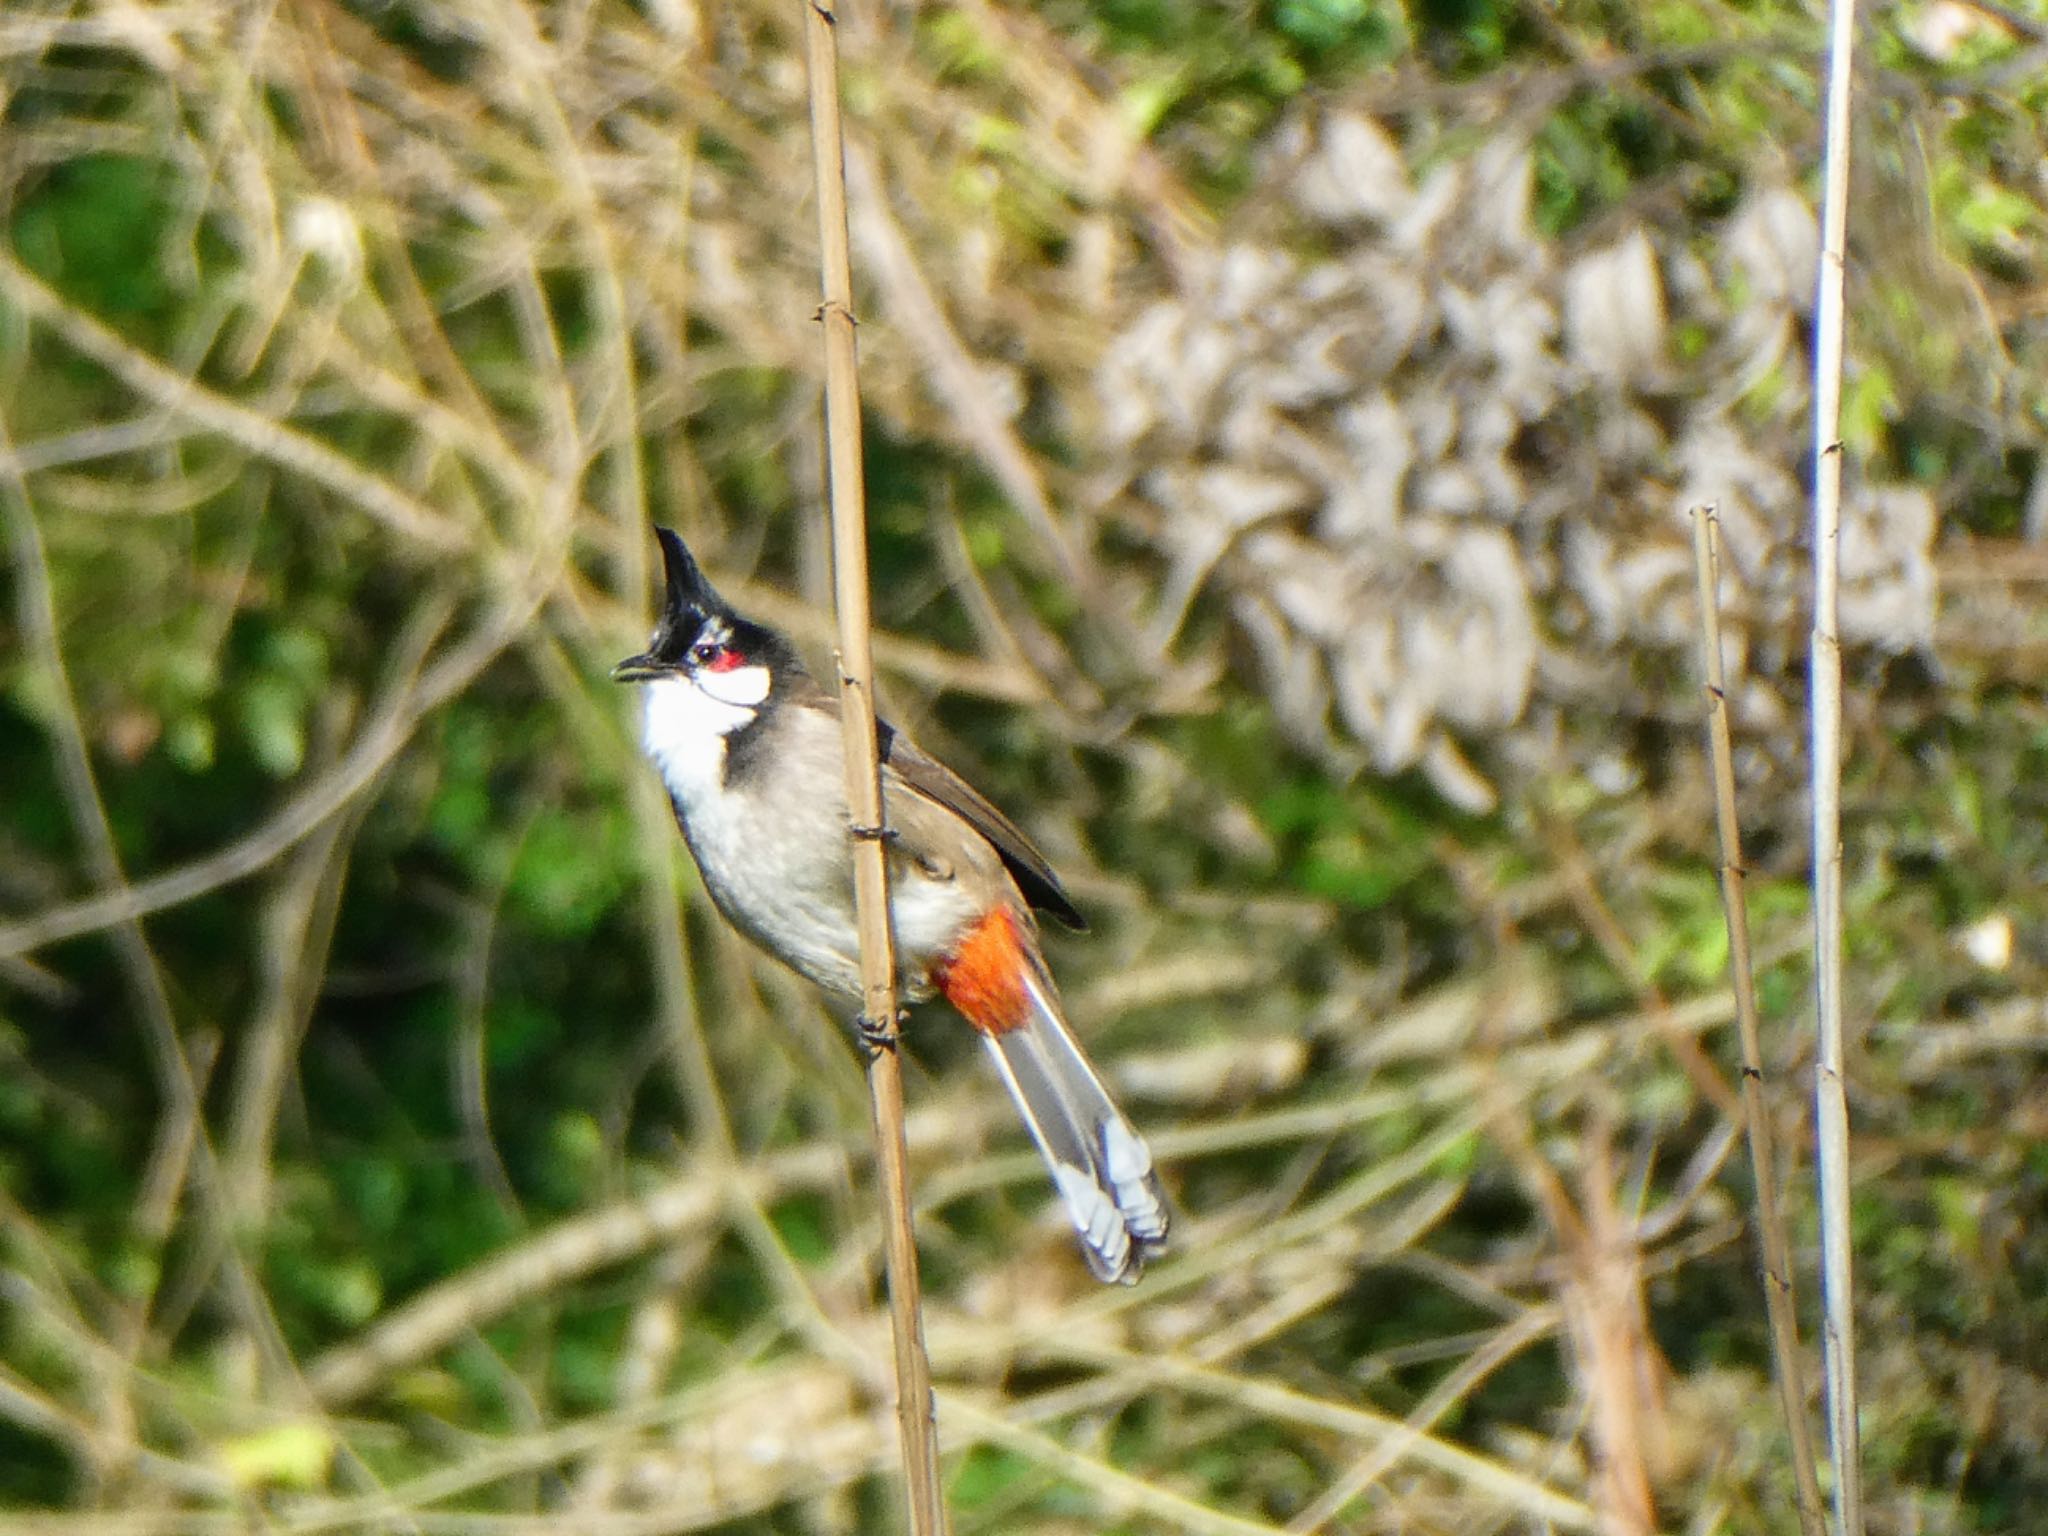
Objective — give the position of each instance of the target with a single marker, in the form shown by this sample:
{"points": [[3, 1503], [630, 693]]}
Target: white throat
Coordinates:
{"points": [[685, 721]]}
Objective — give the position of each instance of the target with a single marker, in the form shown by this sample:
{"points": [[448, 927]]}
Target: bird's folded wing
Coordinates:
{"points": [[935, 781]]}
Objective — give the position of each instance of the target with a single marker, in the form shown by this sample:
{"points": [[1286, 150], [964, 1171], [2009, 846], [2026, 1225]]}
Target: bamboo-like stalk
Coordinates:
{"points": [[1831, 1103], [846, 486], [1763, 1156]]}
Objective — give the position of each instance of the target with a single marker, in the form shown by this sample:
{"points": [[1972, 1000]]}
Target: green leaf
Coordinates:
{"points": [[188, 740], [274, 723], [1143, 104], [1993, 216], [1868, 404], [1322, 25], [295, 1455]]}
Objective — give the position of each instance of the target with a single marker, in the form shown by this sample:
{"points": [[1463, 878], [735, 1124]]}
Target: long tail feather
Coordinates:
{"points": [[1100, 1164]]}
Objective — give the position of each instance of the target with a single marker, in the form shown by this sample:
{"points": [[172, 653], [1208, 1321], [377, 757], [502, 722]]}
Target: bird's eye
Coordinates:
{"points": [[712, 656]]}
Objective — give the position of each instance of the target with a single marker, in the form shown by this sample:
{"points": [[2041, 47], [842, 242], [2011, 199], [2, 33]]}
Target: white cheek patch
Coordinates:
{"points": [[683, 729], [741, 687]]}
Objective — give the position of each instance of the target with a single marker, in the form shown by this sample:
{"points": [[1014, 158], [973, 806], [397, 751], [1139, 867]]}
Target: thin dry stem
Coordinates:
{"points": [[1120, 1488], [1763, 1157], [1503, 1345], [958, 383], [1610, 1326], [1251, 1392], [846, 485], [564, 1253], [1599, 1284], [1831, 1103], [263, 436], [1582, 886], [412, 698]]}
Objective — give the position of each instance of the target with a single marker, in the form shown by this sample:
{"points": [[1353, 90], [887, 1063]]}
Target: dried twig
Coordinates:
{"points": [[847, 488], [1155, 1499], [1763, 1157], [411, 698], [417, 525], [566, 1252], [1505, 1345], [1831, 1105], [1250, 1391], [957, 383]]}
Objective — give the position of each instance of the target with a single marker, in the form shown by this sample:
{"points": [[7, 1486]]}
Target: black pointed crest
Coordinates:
{"points": [[688, 604], [687, 589]]}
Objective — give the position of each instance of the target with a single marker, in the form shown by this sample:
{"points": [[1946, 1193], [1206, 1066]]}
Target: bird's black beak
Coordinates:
{"points": [[637, 669]]}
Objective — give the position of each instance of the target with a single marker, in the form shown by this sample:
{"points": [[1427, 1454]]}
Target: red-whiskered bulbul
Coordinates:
{"points": [[749, 746]]}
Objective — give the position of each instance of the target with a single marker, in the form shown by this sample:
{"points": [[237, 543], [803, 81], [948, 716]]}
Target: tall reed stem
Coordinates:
{"points": [[1763, 1156], [1831, 1102], [847, 490]]}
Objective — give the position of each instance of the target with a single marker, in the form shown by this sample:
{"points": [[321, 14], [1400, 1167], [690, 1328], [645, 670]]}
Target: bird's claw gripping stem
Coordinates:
{"points": [[877, 1036], [861, 832]]}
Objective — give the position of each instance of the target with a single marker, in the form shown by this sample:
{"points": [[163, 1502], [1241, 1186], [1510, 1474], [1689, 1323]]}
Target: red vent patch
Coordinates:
{"points": [[984, 975]]}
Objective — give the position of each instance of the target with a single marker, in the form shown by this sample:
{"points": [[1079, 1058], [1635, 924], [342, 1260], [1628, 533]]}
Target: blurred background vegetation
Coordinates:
{"points": [[1283, 418]]}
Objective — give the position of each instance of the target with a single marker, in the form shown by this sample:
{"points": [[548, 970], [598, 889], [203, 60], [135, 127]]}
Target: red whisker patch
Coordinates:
{"points": [[984, 974]]}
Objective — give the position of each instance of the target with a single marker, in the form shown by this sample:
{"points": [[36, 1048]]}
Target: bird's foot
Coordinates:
{"points": [[863, 833], [876, 1035]]}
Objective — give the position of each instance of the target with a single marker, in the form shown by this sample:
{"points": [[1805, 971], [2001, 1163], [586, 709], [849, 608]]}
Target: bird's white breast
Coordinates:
{"points": [[684, 726]]}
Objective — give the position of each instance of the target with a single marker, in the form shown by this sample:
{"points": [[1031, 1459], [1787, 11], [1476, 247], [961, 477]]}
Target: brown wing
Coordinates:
{"points": [[935, 781]]}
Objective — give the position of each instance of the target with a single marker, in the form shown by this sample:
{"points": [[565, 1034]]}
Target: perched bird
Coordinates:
{"points": [[750, 749]]}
